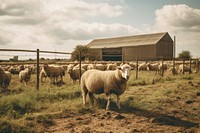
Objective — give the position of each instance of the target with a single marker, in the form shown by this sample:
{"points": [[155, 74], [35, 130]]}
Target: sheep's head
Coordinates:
{"points": [[125, 71]]}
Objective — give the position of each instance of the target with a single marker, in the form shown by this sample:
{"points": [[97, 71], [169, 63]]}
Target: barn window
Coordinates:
{"points": [[112, 54]]}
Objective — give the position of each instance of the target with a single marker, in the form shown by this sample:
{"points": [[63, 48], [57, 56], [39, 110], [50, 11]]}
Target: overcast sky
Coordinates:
{"points": [[59, 25]]}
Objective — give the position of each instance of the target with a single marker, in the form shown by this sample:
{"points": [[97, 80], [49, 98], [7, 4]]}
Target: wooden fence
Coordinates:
{"points": [[37, 51]]}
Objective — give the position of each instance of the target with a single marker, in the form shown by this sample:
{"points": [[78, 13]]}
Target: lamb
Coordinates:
{"points": [[75, 73], [108, 82], [5, 78], [25, 75], [53, 72]]}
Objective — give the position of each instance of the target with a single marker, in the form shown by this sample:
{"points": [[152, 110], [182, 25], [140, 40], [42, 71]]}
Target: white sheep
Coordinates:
{"points": [[74, 73], [142, 66], [53, 72], [111, 66], [108, 82], [42, 75], [25, 75], [5, 78], [152, 66], [184, 69]]}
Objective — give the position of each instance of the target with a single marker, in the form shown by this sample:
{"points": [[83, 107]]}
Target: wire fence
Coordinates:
{"points": [[40, 57]]}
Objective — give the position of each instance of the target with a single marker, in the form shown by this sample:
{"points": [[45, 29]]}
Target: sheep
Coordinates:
{"points": [[111, 66], [173, 70], [13, 70], [184, 69], [25, 75], [152, 66], [142, 66], [5, 78], [42, 75], [75, 73], [100, 67], [108, 82], [53, 72]]}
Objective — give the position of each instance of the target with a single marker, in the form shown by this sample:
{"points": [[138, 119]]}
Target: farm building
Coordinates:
{"points": [[147, 47]]}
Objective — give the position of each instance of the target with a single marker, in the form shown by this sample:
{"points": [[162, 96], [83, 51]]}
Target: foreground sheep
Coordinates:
{"points": [[97, 82], [53, 72], [5, 78], [25, 75]]}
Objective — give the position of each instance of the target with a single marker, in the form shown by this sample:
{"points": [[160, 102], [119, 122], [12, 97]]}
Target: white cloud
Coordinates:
{"points": [[183, 22], [52, 24]]}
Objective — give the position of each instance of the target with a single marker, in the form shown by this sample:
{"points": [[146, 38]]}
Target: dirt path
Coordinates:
{"points": [[120, 122]]}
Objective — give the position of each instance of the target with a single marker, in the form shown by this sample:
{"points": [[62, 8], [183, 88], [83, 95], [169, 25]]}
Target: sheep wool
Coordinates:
{"points": [[97, 82]]}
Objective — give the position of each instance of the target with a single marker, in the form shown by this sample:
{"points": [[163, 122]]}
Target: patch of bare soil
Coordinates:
{"points": [[102, 121]]}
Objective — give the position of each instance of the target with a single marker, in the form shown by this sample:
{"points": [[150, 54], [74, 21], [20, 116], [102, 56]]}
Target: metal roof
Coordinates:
{"points": [[126, 41]]}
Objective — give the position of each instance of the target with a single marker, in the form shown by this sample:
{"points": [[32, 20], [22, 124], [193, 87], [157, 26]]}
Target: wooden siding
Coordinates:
{"points": [[164, 48], [145, 52]]}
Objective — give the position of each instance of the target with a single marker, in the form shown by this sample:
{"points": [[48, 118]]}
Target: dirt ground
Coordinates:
{"points": [[102, 121]]}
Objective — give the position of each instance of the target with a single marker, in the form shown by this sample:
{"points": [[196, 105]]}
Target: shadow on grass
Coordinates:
{"points": [[155, 117]]}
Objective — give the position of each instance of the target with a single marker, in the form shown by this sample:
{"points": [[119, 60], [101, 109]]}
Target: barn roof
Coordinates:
{"points": [[125, 41]]}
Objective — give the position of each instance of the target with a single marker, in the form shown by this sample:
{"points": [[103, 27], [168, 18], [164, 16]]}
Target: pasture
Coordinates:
{"points": [[150, 103]]}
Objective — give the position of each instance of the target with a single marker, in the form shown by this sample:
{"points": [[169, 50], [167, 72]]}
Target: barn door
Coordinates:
{"points": [[112, 54]]}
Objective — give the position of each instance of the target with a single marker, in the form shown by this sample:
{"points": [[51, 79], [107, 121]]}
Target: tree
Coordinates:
{"points": [[185, 54], [84, 53]]}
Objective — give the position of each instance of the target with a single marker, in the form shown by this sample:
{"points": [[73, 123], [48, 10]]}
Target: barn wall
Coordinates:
{"points": [[164, 47], [97, 53], [145, 52]]}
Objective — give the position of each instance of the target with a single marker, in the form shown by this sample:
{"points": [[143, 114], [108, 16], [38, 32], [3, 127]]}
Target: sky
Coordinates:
{"points": [[60, 25]]}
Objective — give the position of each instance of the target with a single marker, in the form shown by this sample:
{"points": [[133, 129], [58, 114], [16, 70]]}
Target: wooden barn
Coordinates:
{"points": [[147, 47]]}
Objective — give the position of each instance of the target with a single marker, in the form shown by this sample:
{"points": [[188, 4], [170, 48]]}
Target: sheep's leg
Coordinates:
{"points": [[118, 103], [91, 98], [108, 102], [84, 94]]}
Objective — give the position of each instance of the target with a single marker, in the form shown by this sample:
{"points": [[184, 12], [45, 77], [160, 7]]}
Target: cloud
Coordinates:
{"points": [[178, 17], [183, 22]]}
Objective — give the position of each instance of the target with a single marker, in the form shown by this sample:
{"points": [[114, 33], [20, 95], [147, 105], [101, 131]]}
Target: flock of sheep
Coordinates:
{"points": [[96, 78]]}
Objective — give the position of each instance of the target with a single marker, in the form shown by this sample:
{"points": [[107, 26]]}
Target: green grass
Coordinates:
{"points": [[24, 108]]}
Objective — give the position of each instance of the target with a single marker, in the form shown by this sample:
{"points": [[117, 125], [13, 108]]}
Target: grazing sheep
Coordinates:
{"points": [[101, 67], [20, 68], [173, 70], [108, 82], [25, 75], [186, 69], [91, 66], [142, 66], [75, 73], [13, 70], [152, 66], [43, 75], [5, 78], [111, 66], [53, 72]]}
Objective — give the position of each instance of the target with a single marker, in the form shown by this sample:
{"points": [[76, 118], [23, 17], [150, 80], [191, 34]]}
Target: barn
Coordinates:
{"points": [[146, 47]]}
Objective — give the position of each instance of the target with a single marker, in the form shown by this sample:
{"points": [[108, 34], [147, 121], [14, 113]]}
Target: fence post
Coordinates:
{"points": [[183, 66], [79, 66], [136, 66], [190, 66], [162, 74], [38, 70], [173, 70]]}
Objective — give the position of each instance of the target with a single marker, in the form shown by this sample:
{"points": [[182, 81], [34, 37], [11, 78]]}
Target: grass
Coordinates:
{"points": [[24, 109]]}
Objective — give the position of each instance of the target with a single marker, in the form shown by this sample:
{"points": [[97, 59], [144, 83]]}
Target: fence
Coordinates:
{"points": [[37, 60], [174, 62]]}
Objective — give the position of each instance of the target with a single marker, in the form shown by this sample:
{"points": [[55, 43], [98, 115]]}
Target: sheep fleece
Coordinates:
{"points": [[96, 81]]}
